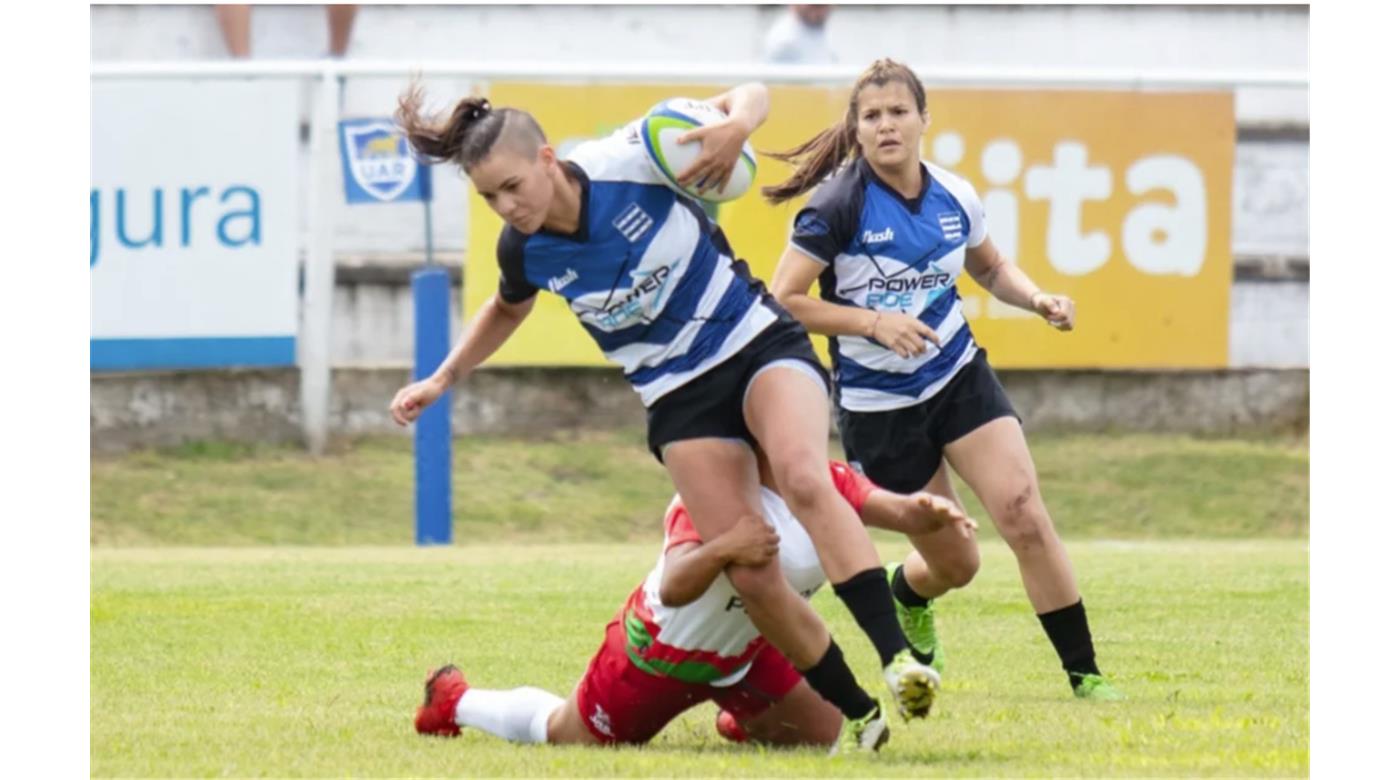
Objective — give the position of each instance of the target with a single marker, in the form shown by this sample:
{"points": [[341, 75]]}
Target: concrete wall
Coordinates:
{"points": [[162, 409]]}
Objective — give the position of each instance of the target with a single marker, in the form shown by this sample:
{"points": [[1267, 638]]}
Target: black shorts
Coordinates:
{"points": [[712, 404], [900, 449]]}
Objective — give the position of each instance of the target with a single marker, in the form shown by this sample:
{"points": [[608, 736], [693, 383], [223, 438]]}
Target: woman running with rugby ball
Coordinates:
{"points": [[719, 365]]}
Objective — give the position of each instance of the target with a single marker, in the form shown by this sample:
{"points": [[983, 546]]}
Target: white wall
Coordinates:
{"points": [[1205, 37]]}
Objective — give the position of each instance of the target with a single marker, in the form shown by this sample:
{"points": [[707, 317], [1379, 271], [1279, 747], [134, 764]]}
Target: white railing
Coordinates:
{"points": [[939, 76], [314, 340]]}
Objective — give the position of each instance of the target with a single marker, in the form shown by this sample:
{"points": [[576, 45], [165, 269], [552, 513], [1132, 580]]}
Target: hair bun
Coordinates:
{"points": [[479, 110]]}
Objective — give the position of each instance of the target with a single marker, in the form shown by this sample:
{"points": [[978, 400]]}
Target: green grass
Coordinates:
{"points": [[256, 611], [606, 487], [308, 661]]}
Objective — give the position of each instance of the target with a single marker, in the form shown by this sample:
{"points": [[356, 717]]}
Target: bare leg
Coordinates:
{"points": [[944, 559], [235, 22], [566, 725], [996, 463], [341, 19], [802, 717], [788, 414], [718, 481]]}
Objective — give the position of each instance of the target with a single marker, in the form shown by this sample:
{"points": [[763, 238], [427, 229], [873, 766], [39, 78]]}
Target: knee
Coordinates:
{"points": [[1024, 523], [959, 572], [801, 487], [949, 570]]}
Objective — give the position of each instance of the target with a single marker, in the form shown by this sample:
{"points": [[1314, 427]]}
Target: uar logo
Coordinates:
{"points": [[378, 159]]}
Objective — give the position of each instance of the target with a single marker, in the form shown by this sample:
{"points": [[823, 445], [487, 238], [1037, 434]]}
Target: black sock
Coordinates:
{"points": [[832, 678], [904, 593], [1068, 629], [867, 596]]}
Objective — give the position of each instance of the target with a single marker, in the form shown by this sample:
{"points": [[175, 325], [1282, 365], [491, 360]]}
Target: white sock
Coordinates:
{"points": [[519, 715]]}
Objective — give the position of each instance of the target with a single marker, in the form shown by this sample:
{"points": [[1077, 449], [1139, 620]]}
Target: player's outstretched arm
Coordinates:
{"points": [[746, 104], [792, 282], [692, 567], [1009, 284], [492, 325]]}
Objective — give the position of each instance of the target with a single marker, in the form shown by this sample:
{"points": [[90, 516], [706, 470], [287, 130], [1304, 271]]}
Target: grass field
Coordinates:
{"points": [[606, 487], [255, 612]]}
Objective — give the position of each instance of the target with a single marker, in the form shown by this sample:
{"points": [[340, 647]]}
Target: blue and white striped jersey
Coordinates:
{"points": [[651, 278], [888, 253]]}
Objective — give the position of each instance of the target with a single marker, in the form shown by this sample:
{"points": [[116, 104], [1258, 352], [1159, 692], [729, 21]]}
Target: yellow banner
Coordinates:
{"points": [[1121, 200]]}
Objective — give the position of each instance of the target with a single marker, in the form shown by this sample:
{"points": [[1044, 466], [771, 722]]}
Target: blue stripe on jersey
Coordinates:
{"points": [[623, 278], [737, 300], [853, 375], [680, 307], [597, 263], [934, 315]]}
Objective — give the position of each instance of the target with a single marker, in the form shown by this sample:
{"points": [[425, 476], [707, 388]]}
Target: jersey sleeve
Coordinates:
{"points": [[620, 156], [976, 218], [853, 486], [679, 528], [825, 226], [510, 257], [967, 197]]}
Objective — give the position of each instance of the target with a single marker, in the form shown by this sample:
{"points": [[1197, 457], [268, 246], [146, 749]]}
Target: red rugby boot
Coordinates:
{"points": [[442, 691]]}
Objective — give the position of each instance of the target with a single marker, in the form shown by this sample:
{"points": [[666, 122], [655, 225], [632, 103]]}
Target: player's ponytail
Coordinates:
{"points": [[833, 147], [469, 133], [815, 159]]}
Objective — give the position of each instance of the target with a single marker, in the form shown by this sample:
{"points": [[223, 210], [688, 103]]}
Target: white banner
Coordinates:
{"points": [[193, 220]]}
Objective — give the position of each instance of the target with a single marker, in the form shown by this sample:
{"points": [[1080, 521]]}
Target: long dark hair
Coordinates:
{"points": [[469, 133], [822, 154]]}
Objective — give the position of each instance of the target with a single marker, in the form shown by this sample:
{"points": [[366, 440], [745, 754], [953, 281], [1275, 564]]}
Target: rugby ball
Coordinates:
{"points": [[666, 122]]}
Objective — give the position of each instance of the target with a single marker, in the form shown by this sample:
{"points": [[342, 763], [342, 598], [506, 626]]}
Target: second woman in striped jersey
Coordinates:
{"points": [[886, 236]]}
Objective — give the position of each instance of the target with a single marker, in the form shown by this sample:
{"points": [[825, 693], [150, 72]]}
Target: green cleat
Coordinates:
{"points": [[913, 684], [865, 735], [918, 627], [1096, 687]]}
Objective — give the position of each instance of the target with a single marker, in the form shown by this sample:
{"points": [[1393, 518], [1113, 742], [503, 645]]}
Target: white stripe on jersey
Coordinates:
{"points": [[636, 355], [621, 158], [858, 399], [676, 238], [753, 322], [855, 273], [617, 157], [878, 358]]}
